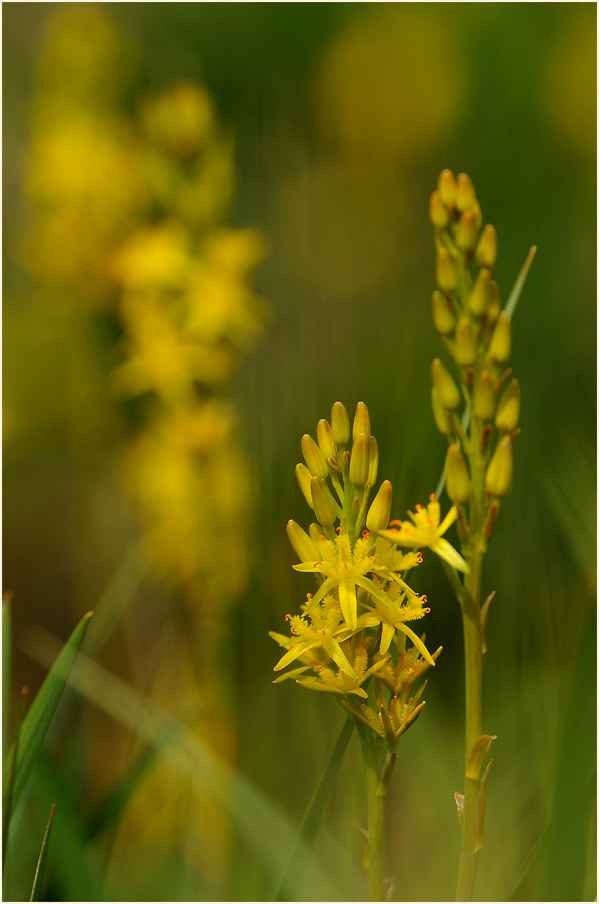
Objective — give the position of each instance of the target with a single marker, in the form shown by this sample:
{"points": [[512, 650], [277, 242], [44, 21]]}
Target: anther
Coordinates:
{"points": [[431, 498], [392, 523], [339, 529]]}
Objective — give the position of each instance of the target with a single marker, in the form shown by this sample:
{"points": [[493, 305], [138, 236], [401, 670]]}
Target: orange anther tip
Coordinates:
{"points": [[287, 617], [339, 529], [399, 523], [419, 507], [431, 498]]}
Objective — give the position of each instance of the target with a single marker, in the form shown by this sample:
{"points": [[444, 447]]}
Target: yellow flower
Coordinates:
{"points": [[427, 530], [339, 682]]}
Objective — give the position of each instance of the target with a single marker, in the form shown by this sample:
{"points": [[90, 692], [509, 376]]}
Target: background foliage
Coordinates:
{"points": [[341, 115]]}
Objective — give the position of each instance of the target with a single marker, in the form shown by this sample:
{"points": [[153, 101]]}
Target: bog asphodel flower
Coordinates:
{"points": [[350, 628], [426, 531]]}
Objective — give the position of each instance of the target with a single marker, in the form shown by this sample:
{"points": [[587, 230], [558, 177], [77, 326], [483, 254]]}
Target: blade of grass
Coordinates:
{"points": [[510, 305], [6, 665], [266, 829], [41, 860], [313, 815], [8, 778], [37, 721]]}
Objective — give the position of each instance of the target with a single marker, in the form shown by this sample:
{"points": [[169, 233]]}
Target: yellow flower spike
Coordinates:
{"points": [[483, 399], [373, 461], [500, 472], [302, 544], [466, 231], [486, 250], [427, 530], [508, 410], [465, 344], [457, 476], [380, 509], [304, 478], [439, 414], [359, 461], [323, 502], [325, 439], [501, 340], [314, 457], [446, 271], [465, 194], [443, 316], [437, 211], [447, 187], [444, 384], [361, 420], [339, 424], [480, 296]]}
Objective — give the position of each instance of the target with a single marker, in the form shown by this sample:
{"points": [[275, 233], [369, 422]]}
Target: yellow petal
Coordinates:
{"points": [[445, 551]]}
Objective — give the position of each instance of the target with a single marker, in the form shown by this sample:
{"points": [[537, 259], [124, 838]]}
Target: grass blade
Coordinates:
{"points": [[313, 816], [41, 860], [37, 721]]}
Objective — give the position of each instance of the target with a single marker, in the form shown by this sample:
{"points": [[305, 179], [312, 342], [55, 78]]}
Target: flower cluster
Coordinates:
{"points": [[355, 625], [476, 331]]}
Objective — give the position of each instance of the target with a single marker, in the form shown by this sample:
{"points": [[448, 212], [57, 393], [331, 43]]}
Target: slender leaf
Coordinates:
{"points": [[313, 816], [41, 860], [8, 778], [37, 721], [6, 666]]}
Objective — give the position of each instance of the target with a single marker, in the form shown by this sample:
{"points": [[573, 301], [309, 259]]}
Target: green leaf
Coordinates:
{"points": [[6, 664], [41, 860], [37, 721]]}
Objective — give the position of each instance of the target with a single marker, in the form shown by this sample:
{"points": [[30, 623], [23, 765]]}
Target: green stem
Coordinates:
{"points": [[376, 801]]}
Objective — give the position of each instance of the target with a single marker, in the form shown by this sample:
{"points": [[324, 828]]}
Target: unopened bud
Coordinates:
{"points": [[465, 346], [304, 548], [443, 317], [494, 309], [361, 420], [478, 215], [373, 461], [323, 502], [486, 250], [313, 457], [325, 439], [447, 187], [501, 340], [359, 461], [466, 231], [498, 479], [465, 194], [447, 391], [457, 476], [508, 410], [304, 478], [339, 423], [437, 211], [483, 400], [439, 414], [380, 510], [446, 271], [480, 295]]}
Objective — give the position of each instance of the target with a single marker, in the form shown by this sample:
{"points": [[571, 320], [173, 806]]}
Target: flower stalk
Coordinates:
{"points": [[476, 333]]}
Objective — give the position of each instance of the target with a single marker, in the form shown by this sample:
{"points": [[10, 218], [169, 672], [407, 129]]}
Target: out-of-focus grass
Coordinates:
{"points": [[338, 181]]}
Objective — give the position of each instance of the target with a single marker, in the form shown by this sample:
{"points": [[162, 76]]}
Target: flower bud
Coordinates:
{"points": [[508, 410], [373, 461], [465, 195], [442, 314], [325, 439], [439, 414], [480, 295], [304, 478], [437, 211], [501, 340], [500, 472], [466, 232], [483, 400], [304, 548], [494, 309], [486, 251], [478, 215], [380, 510], [361, 420], [457, 477], [313, 457], [359, 461], [323, 502], [447, 391], [446, 271], [447, 187], [339, 424], [465, 346]]}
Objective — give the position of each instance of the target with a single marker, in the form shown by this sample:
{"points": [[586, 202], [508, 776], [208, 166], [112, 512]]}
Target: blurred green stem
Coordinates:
{"points": [[375, 792]]}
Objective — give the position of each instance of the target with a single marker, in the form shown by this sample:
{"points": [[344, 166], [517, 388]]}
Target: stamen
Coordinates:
{"points": [[397, 521], [431, 498], [419, 507], [365, 533], [339, 529], [430, 521]]}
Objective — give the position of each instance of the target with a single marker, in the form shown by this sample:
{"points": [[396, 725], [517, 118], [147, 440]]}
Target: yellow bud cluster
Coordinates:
{"points": [[467, 312]]}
